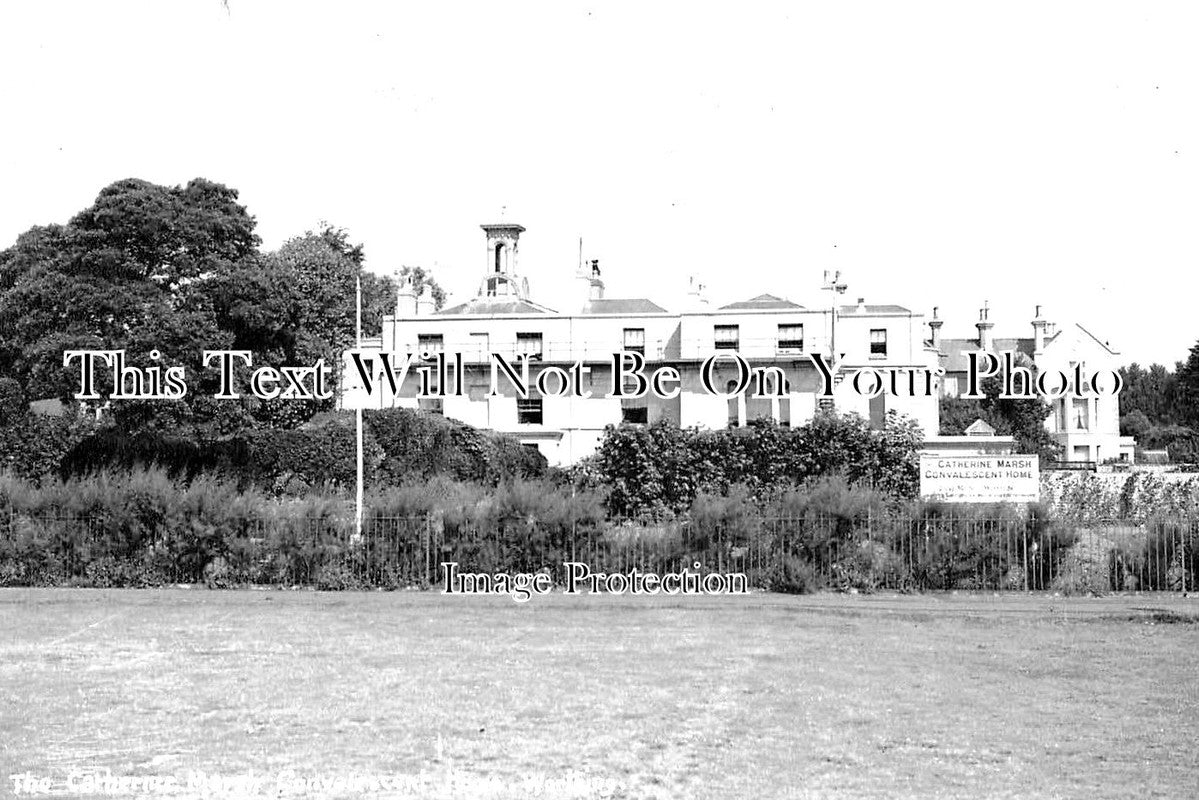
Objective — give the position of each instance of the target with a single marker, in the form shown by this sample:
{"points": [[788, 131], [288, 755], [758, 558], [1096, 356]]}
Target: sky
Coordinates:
{"points": [[937, 154]]}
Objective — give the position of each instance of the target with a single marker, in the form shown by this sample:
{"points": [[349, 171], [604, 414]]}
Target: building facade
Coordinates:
{"points": [[1085, 425], [771, 334]]}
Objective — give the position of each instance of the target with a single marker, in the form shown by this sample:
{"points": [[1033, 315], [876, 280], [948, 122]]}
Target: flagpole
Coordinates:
{"points": [[358, 416]]}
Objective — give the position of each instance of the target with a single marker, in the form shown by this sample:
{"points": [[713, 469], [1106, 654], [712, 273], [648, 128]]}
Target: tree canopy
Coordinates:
{"points": [[177, 270]]}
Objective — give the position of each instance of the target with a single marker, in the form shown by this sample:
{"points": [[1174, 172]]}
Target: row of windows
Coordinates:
{"points": [[725, 337], [530, 411]]}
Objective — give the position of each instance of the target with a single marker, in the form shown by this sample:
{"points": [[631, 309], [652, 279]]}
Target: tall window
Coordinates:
{"points": [[499, 257], [790, 337], [1081, 414], [728, 337], [529, 343], [878, 341], [430, 343], [634, 340], [528, 412]]}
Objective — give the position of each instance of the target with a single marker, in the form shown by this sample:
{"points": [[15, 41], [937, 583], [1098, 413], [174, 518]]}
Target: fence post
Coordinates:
{"points": [[427, 546], [1184, 533], [1025, 527]]}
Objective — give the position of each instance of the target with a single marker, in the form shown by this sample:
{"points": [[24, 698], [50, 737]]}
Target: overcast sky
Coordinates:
{"points": [[936, 153]]}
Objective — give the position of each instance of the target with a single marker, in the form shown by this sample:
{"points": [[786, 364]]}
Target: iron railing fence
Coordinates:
{"points": [[888, 552]]}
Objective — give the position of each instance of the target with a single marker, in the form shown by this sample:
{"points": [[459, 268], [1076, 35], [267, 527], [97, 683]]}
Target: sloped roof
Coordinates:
{"points": [[953, 351], [884, 309], [761, 301], [493, 307], [1100, 342], [979, 427], [632, 305]]}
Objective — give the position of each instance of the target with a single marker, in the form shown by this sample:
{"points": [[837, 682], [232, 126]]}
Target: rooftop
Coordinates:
{"points": [[632, 305], [483, 306], [953, 351], [761, 301], [867, 309]]}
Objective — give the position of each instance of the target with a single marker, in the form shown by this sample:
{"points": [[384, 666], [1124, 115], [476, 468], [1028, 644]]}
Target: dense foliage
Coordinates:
{"points": [[661, 468], [1161, 408], [146, 528], [1022, 419]]}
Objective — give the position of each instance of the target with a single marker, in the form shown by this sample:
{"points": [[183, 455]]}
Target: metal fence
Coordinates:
{"points": [[806, 553]]}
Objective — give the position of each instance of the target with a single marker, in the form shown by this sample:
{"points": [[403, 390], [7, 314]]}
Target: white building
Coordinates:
{"points": [[766, 331], [1086, 426]]}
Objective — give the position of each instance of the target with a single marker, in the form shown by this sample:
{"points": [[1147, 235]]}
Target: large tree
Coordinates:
{"points": [[1152, 391], [1187, 400], [1022, 419], [130, 272], [178, 270]]}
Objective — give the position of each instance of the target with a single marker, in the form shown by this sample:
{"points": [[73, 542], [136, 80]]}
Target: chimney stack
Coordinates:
{"points": [[934, 325], [591, 285], [425, 304], [406, 298], [597, 285], [984, 326], [1039, 328]]}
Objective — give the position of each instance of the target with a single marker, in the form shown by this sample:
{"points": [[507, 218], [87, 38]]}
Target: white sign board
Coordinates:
{"points": [[980, 479]]}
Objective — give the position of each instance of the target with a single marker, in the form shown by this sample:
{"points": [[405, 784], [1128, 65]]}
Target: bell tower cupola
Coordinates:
{"points": [[501, 278]]}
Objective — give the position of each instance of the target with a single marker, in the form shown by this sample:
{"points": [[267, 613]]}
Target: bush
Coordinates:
{"points": [[1167, 558], [796, 576], [957, 546], [417, 445], [658, 470]]}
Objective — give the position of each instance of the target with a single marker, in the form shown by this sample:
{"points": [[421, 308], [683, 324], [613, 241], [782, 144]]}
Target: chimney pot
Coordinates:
{"points": [[984, 329]]}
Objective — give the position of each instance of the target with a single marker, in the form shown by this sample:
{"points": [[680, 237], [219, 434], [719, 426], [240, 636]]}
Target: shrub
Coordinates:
{"points": [[320, 453], [416, 445], [796, 576], [658, 470], [1166, 558]]}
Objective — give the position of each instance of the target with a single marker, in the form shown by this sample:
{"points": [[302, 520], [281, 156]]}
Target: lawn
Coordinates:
{"points": [[757, 697]]}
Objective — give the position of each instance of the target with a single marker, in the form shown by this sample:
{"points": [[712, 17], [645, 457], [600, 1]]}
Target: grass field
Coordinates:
{"points": [[756, 697]]}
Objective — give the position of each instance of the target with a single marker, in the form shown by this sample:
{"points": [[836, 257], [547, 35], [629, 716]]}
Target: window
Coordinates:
{"points": [[1081, 414], [499, 257], [878, 341], [790, 337], [434, 405], [430, 343], [728, 337], [528, 412], [529, 343], [634, 340], [636, 414]]}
